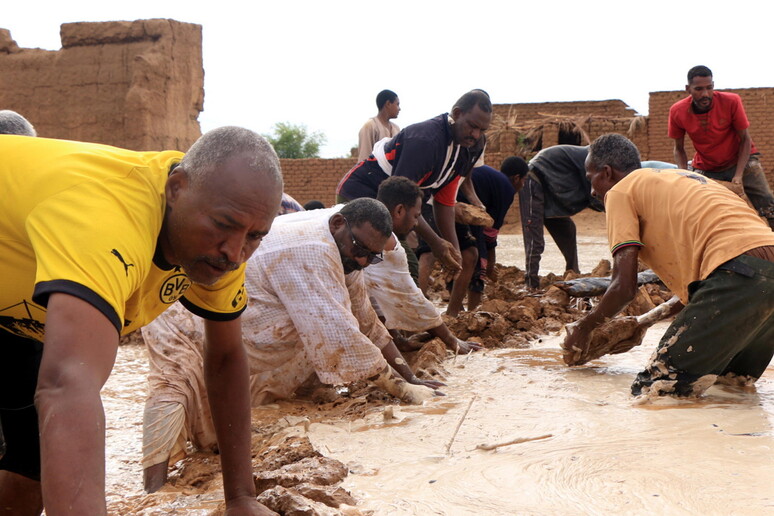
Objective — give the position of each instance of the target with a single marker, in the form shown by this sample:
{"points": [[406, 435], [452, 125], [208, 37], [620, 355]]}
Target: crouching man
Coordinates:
{"points": [[708, 247]]}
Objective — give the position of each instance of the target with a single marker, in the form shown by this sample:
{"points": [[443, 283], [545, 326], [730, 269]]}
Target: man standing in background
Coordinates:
{"points": [[718, 127], [378, 127]]}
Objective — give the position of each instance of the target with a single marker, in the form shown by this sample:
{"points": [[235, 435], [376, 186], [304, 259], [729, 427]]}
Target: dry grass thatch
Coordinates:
{"points": [[528, 134]]}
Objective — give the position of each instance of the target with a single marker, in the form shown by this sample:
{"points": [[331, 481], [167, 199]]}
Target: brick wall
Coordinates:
{"points": [[314, 179]]}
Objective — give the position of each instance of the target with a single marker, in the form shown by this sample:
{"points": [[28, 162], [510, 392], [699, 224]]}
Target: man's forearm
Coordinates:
{"points": [[72, 447], [227, 379], [78, 354], [469, 191], [745, 146], [622, 290], [681, 158], [444, 333], [430, 237], [396, 360], [444, 220]]}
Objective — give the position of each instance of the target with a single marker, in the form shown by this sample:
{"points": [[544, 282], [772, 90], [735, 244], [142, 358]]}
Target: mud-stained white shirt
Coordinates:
{"points": [[396, 297], [303, 307]]}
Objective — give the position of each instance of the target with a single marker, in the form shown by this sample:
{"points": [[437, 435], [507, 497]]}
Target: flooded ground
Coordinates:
{"points": [[599, 452]]}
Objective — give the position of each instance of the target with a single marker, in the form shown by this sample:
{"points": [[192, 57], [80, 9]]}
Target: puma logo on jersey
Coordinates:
{"points": [[115, 253]]}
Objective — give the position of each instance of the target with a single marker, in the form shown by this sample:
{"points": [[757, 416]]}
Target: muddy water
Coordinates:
{"points": [[607, 454]]}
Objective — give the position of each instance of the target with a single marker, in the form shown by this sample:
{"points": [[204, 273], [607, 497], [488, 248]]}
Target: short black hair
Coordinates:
{"points": [[514, 166], [397, 190], [614, 150], [698, 71], [314, 205], [384, 96], [474, 98], [369, 210]]}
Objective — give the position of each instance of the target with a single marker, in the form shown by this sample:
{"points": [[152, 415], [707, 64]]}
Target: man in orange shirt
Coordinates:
{"points": [[708, 247]]}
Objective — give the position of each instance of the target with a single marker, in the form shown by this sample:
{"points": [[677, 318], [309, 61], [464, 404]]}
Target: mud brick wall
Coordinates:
{"points": [[137, 85], [314, 179], [758, 104]]}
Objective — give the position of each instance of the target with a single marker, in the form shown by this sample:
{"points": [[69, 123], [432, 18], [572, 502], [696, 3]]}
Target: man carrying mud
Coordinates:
{"points": [[95, 242], [708, 247], [308, 316], [718, 127], [435, 154], [380, 126], [496, 189]]}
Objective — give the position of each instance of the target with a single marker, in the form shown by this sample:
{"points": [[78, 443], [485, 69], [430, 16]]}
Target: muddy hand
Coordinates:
{"points": [[391, 382], [465, 347], [571, 352], [450, 258]]}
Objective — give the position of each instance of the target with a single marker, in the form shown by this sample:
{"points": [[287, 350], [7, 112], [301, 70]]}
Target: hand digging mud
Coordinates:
{"points": [[618, 335]]}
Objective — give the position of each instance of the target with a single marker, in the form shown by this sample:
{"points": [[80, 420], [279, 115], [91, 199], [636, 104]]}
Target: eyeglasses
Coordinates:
{"points": [[362, 251]]}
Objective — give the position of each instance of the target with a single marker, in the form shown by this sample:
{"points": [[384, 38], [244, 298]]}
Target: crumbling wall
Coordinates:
{"points": [[137, 85]]}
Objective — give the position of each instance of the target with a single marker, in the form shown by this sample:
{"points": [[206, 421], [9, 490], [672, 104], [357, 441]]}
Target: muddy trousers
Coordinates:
{"points": [[726, 329], [561, 229]]}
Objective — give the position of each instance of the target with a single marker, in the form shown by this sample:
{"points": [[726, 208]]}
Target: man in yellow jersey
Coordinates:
{"points": [[95, 242], [708, 247]]}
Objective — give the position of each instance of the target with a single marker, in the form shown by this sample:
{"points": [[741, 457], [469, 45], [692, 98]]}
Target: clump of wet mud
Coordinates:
{"points": [[511, 316], [293, 478]]}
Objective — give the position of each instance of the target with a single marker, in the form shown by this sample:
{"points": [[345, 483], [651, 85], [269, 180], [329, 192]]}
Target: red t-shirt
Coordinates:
{"points": [[713, 133]]}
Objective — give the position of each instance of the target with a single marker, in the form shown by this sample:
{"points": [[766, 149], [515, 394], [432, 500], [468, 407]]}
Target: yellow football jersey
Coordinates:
{"points": [[84, 219]]}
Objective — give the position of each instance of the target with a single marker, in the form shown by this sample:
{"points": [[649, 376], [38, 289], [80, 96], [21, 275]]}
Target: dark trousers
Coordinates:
{"points": [[19, 365], [561, 229], [727, 328]]}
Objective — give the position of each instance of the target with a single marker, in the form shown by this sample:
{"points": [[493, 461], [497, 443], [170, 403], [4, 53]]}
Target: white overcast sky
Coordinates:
{"points": [[321, 64]]}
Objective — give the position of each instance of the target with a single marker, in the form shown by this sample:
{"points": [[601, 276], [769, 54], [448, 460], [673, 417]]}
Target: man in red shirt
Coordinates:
{"points": [[718, 127]]}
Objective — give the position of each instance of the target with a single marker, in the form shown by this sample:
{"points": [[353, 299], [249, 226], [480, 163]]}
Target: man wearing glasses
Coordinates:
{"points": [[308, 313]]}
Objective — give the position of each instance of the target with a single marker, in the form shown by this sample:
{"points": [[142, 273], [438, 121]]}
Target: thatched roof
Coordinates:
{"points": [[529, 132]]}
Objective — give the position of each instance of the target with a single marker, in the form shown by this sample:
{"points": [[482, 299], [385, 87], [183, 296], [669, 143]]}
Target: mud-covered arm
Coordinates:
{"points": [[399, 364], [622, 290]]}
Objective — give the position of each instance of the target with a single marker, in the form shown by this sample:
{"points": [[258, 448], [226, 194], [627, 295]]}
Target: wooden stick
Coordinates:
{"points": [[459, 424], [661, 311], [520, 440]]}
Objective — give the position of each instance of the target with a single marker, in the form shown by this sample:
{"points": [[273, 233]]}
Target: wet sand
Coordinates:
{"points": [[607, 453]]}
